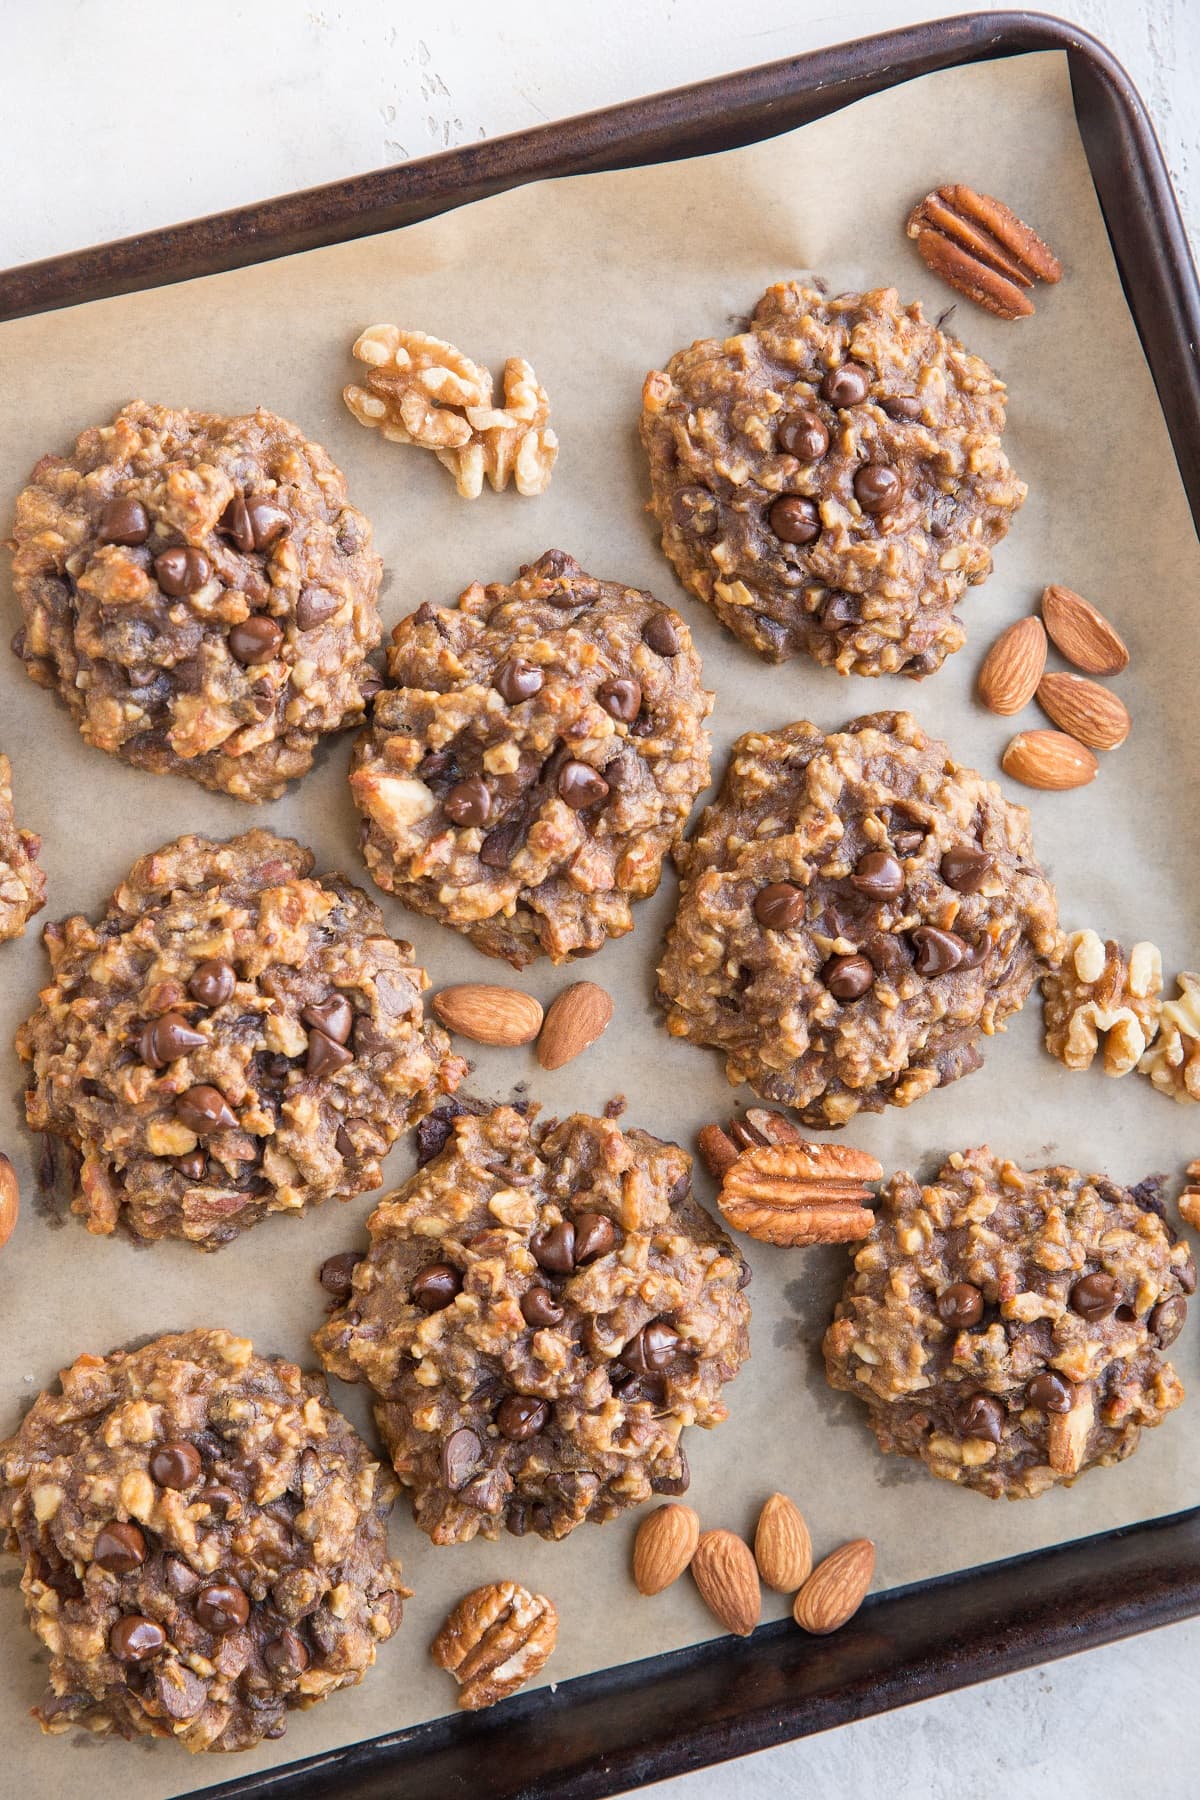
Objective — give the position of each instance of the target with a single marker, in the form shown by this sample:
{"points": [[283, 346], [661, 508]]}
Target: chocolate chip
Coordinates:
{"points": [[838, 610], [134, 1638], [1051, 1393], [268, 522], [674, 1484], [937, 951], [337, 1273], [314, 606], [521, 1417], [1166, 1321], [901, 406], [595, 1236], [164, 1039], [960, 1306], [119, 1547], [695, 509], [213, 982], [621, 699], [660, 633], [878, 875], [845, 386], [1095, 1297], [848, 977], [435, 1287], [965, 868], [517, 680], [335, 1017], [981, 1417], [123, 521], [795, 520], [181, 570], [877, 487], [255, 640], [325, 1056], [779, 906], [223, 1606], [581, 786], [803, 434], [652, 1349], [460, 1452], [180, 1577], [468, 802], [175, 1465], [539, 1307], [287, 1651], [191, 1166], [204, 1109], [235, 523], [500, 846], [553, 1248]]}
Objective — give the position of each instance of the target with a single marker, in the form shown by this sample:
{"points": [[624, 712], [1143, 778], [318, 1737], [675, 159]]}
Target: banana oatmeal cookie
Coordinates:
{"points": [[235, 1037], [831, 480], [534, 759], [22, 884], [543, 1308], [856, 909], [200, 593], [204, 1541], [1007, 1327]]}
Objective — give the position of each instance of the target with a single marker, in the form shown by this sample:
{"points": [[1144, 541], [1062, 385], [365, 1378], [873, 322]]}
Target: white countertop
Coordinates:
{"points": [[120, 115]]}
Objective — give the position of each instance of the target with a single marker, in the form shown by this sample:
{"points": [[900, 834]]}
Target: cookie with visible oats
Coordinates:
{"points": [[22, 883]]}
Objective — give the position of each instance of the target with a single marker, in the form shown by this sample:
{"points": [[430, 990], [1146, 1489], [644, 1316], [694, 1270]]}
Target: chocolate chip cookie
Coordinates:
{"points": [[200, 593], [533, 760], [542, 1309], [1008, 1326], [856, 910], [22, 884], [204, 1542], [236, 1036], [831, 480]]}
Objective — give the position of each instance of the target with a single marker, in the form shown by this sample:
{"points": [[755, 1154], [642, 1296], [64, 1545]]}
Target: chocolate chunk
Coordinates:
{"points": [[1167, 1319], [134, 1638], [166, 1038], [517, 680], [960, 1306], [325, 1056], [553, 1248], [521, 1417], [123, 521], [937, 951], [848, 977], [795, 520], [179, 1692], [287, 1651], [235, 524], [175, 1465], [335, 1017], [695, 509], [1051, 1393], [965, 869], [119, 1547], [838, 610], [204, 1109], [845, 386], [595, 1236], [981, 1417], [877, 487], [255, 640], [539, 1308], [878, 875], [460, 1453], [621, 699], [901, 407], [468, 802], [182, 570], [500, 846], [1095, 1297], [213, 982], [803, 434], [337, 1273], [223, 1606], [315, 606], [779, 906], [435, 1287], [660, 633], [581, 786]]}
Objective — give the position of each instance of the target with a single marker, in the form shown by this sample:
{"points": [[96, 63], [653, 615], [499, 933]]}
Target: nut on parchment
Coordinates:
{"points": [[1093, 714], [1082, 633], [800, 1193], [1098, 994], [727, 1576], [495, 1640], [782, 1545], [982, 249], [1173, 1060], [719, 1148], [488, 1013], [574, 1020], [664, 1546], [836, 1588], [1012, 668], [1049, 759], [9, 1199]]}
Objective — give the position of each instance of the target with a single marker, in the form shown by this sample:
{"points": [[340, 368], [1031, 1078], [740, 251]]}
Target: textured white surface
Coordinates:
{"points": [[124, 114]]}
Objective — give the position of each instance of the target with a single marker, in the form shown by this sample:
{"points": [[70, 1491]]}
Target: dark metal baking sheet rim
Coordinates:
{"points": [[644, 1721]]}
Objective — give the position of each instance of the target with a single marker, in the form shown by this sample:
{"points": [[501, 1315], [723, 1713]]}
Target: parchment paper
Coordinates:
{"points": [[597, 279]]}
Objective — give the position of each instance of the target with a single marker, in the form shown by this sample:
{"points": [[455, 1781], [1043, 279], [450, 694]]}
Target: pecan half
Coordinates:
{"points": [[982, 249], [800, 1193], [719, 1146], [495, 1639]]}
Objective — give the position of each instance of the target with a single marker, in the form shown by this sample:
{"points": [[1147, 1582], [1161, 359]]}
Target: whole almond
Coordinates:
{"points": [[836, 1588], [1049, 759], [487, 1014], [9, 1199], [575, 1019], [724, 1571], [1083, 634], [664, 1546], [782, 1546], [1013, 667], [1091, 713]]}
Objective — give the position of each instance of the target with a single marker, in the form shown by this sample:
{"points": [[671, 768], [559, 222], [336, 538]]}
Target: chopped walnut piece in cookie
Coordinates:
{"points": [[1173, 1060], [421, 390], [1100, 997]]}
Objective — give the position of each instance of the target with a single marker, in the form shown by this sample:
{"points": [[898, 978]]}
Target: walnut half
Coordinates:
{"points": [[1173, 1062], [1100, 994]]}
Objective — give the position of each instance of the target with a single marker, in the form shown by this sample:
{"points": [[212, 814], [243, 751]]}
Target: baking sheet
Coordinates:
{"points": [[596, 279]]}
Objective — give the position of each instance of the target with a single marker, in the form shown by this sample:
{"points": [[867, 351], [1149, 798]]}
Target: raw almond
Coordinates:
{"points": [[664, 1546], [724, 1571], [1013, 667], [836, 1588], [487, 1014], [575, 1019], [1049, 759], [1091, 713], [1083, 634], [9, 1200], [782, 1546]]}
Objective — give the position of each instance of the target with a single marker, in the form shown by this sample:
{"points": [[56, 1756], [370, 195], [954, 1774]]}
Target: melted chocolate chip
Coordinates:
{"points": [[213, 982], [204, 1109], [779, 906], [134, 1638], [468, 802], [521, 1417], [337, 1273], [539, 1308], [837, 611], [255, 640], [269, 523], [960, 1306], [878, 875], [660, 633], [1095, 1297], [517, 680], [595, 1236], [937, 951], [123, 521], [316, 606], [222, 1607], [460, 1453], [804, 435], [119, 1547], [335, 1017], [235, 524], [621, 699], [191, 1166], [652, 1349], [848, 977], [1167, 1319], [795, 520], [435, 1287], [965, 869], [695, 510], [175, 1465], [981, 1417], [553, 1248], [877, 487], [901, 407], [845, 386], [166, 1038], [581, 786], [287, 1651], [182, 570], [1050, 1392], [325, 1057]]}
